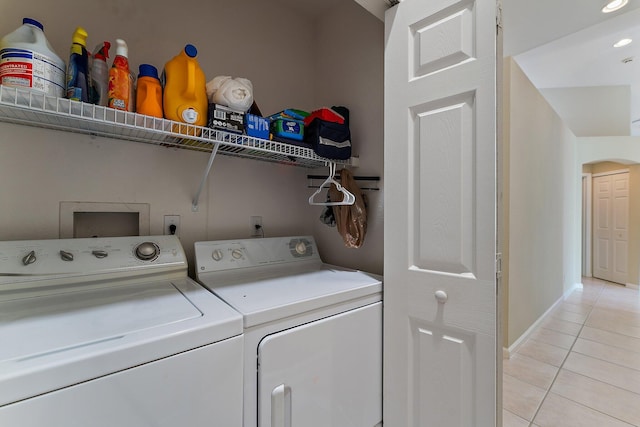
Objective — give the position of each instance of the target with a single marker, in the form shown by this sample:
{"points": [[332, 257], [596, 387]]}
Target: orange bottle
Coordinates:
{"points": [[119, 82], [149, 92], [185, 93]]}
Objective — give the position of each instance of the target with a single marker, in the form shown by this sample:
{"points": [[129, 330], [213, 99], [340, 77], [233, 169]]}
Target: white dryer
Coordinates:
{"points": [[110, 332], [312, 331]]}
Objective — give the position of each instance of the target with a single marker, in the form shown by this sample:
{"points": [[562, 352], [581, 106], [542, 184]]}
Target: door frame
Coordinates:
{"points": [[587, 231]]}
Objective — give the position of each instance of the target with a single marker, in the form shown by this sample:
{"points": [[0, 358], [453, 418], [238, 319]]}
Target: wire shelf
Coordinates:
{"points": [[32, 108]]}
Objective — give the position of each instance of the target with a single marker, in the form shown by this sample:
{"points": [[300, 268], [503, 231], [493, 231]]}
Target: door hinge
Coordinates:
{"points": [[499, 265]]}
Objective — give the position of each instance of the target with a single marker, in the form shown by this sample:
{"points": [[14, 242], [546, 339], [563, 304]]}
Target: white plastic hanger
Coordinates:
{"points": [[348, 199]]}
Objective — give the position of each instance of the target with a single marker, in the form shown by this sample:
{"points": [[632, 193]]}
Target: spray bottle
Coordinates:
{"points": [[119, 83], [78, 81], [100, 74]]}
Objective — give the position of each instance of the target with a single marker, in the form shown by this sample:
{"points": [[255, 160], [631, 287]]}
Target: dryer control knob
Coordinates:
{"points": [[217, 255], [236, 253], [301, 248], [146, 251], [30, 258], [99, 253], [66, 256]]}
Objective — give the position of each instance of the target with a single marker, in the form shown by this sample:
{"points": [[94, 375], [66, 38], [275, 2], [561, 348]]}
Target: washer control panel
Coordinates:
{"points": [[235, 254], [42, 258]]}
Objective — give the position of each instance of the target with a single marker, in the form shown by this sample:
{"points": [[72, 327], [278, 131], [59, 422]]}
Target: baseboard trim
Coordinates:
{"points": [[632, 286], [507, 352], [573, 288]]}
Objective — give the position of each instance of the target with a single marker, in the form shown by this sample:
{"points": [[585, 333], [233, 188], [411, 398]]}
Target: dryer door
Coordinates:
{"points": [[324, 373]]}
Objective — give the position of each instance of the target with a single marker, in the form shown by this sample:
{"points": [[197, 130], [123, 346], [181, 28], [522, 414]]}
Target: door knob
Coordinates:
{"points": [[441, 296]]}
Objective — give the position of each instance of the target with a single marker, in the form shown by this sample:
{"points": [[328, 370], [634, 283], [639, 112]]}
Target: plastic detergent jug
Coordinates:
{"points": [[100, 74], [119, 79], [149, 92], [185, 94], [27, 60], [131, 105], [78, 82]]}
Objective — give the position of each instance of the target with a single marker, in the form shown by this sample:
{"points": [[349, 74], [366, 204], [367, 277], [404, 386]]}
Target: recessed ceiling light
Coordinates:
{"points": [[614, 5], [623, 42]]}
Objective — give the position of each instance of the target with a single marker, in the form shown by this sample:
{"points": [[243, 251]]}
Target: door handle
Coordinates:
{"points": [[441, 296], [281, 406]]}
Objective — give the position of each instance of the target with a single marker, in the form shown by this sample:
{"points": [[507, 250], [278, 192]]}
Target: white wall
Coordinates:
{"points": [[593, 111], [270, 45], [541, 156], [358, 58], [609, 148]]}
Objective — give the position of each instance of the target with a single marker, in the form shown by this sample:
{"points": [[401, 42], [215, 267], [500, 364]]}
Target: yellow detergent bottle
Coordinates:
{"points": [[185, 94]]}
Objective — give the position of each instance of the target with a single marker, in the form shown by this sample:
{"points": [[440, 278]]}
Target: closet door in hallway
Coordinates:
{"points": [[611, 226]]}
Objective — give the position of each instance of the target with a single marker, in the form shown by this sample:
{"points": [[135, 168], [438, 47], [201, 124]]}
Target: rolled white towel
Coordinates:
{"points": [[214, 85], [235, 93]]}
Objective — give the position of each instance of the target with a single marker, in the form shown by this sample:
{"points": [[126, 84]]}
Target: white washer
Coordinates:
{"points": [[111, 332], [312, 331]]}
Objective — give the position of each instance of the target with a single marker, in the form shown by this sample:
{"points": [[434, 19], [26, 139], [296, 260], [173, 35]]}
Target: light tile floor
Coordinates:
{"points": [[581, 366]]}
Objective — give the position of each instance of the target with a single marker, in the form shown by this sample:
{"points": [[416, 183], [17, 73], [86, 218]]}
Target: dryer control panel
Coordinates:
{"points": [[224, 255]]}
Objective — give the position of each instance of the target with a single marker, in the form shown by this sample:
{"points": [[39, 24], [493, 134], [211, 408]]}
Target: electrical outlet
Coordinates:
{"points": [[170, 220], [256, 226]]}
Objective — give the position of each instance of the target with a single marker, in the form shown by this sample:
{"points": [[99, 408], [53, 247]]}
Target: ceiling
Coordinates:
{"points": [[566, 49]]}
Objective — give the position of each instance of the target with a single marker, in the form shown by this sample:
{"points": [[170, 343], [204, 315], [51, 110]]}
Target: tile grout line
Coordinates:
{"points": [[555, 377], [605, 284], [546, 393], [612, 345], [608, 361], [608, 331]]}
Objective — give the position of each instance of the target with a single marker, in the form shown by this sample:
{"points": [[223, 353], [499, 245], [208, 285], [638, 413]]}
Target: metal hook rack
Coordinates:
{"points": [[373, 182]]}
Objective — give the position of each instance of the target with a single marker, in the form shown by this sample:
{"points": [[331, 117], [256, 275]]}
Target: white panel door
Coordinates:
{"points": [[611, 227], [440, 347], [602, 268]]}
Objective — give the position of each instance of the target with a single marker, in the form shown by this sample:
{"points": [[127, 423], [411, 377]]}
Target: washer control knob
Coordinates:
{"points": [[146, 251], [66, 256], [99, 253], [30, 258], [236, 253], [217, 255]]}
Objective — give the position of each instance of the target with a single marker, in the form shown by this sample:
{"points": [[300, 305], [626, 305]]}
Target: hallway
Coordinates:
{"points": [[581, 366]]}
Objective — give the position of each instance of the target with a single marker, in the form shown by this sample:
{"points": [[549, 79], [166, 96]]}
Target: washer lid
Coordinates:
{"points": [[262, 300], [75, 334]]}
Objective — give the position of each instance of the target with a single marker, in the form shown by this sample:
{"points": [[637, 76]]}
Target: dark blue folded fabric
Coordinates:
{"points": [[328, 139]]}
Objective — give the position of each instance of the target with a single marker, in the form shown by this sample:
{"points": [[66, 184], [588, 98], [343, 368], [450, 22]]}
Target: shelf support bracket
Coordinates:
{"points": [[196, 198]]}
